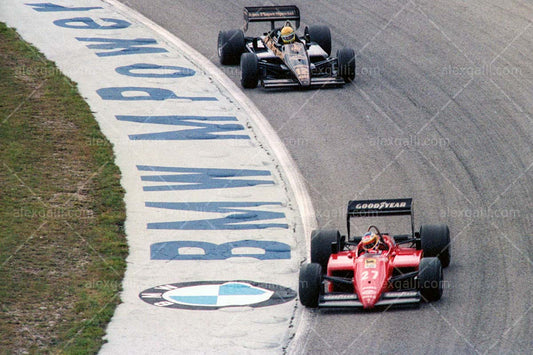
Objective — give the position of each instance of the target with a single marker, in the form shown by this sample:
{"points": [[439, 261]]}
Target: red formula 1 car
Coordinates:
{"points": [[377, 269]]}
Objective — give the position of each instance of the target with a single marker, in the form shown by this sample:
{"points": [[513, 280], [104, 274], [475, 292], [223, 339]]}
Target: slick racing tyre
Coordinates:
{"points": [[230, 46], [346, 64], [435, 242], [321, 35], [321, 246], [310, 284], [249, 70], [430, 279]]}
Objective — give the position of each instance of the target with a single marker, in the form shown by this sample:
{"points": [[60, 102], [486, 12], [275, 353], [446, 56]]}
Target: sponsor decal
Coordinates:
{"points": [[271, 14], [381, 205], [208, 295], [339, 297], [272, 46], [370, 263], [369, 292], [401, 294]]}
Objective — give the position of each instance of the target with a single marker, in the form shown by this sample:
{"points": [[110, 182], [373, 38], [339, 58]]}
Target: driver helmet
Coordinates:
{"points": [[287, 33], [370, 240]]}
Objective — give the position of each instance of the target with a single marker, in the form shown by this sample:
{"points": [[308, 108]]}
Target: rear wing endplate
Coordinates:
{"points": [[271, 14], [377, 208]]}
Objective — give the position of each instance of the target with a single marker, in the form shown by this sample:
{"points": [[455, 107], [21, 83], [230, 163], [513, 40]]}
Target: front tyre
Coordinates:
{"points": [[346, 64], [230, 46], [430, 279], [249, 71], [310, 283]]}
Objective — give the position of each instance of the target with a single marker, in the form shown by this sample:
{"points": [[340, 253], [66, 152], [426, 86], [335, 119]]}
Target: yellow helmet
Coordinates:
{"points": [[287, 34], [370, 241]]}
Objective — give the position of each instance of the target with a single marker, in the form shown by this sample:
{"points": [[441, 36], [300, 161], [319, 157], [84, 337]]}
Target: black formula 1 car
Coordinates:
{"points": [[304, 63]]}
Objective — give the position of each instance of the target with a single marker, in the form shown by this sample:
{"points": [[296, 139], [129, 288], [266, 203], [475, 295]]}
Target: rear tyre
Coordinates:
{"points": [[435, 242], [249, 70], [430, 279], [321, 35], [321, 246], [310, 283], [230, 46], [346, 64]]}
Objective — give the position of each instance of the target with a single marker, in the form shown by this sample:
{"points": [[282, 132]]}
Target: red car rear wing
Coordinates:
{"points": [[377, 208], [271, 14]]}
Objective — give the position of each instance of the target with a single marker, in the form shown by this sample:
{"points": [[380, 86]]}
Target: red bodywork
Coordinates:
{"points": [[372, 270]]}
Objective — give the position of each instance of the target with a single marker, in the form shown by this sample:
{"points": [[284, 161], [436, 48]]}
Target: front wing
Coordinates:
{"points": [[315, 82], [351, 300], [277, 77]]}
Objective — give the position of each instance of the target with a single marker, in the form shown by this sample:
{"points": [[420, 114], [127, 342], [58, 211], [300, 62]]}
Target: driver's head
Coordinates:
{"points": [[370, 240], [287, 33]]}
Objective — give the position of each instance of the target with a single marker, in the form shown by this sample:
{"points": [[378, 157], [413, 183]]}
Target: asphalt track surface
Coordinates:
{"points": [[441, 111]]}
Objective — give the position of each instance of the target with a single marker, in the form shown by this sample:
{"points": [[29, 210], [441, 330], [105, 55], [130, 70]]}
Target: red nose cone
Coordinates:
{"points": [[369, 296], [370, 279]]}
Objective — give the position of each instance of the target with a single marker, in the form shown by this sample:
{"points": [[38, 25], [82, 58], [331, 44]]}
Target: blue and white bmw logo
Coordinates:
{"points": [[217, 294]]}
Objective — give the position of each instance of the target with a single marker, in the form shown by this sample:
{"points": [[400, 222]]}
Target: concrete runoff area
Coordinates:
{"points": [[214, 205]]}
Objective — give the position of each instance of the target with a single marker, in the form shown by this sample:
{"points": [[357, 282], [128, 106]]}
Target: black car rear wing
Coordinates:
{"points": [[271, 14], [377, 208]]}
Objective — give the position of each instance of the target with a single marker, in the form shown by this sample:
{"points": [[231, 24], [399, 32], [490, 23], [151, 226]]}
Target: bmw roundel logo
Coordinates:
{"points": [[208, 295]]}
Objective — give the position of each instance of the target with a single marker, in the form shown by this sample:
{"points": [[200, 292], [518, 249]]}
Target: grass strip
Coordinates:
{"points": [[62, 240]]}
